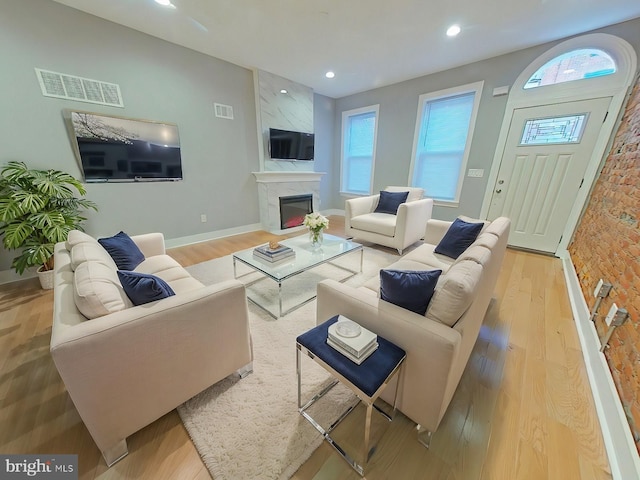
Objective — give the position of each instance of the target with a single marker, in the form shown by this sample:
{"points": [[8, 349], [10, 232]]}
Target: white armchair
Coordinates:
{"points": [[395, 231]]}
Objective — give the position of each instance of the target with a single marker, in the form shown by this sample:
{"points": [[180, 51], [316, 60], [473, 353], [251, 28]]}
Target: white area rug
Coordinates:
{"points": [[250, 428]]}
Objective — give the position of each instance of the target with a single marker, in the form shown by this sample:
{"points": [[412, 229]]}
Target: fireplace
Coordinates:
{"points": [[293, 209]]}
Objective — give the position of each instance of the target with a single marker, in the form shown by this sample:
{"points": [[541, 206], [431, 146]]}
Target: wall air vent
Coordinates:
{"points": [[224, 111], [71, 87]]}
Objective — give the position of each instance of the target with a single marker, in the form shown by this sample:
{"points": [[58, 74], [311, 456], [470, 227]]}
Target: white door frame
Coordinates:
{"points": [[616, 86]]}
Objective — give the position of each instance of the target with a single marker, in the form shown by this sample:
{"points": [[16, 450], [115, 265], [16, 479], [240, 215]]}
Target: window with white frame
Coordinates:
{"points": [[444, 128], [575, 65], [359, 131]]}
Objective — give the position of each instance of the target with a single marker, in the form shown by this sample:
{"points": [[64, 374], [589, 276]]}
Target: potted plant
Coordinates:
{"points": [[38, 208]]}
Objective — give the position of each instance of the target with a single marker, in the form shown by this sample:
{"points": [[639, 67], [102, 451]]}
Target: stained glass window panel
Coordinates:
{"points": [[544, 131]]}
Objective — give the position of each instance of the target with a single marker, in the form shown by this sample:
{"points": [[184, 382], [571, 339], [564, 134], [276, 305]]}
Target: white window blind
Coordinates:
{"points": [[359, 138], [440, 149]]}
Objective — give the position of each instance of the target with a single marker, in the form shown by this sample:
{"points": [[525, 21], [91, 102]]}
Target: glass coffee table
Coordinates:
{"points": [[306, 257]]}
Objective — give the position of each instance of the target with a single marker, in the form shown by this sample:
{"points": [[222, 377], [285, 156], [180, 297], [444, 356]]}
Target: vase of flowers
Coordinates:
{"points": [[316, 223]]}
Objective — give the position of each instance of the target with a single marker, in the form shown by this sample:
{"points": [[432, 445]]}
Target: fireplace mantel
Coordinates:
{"points": [[273, 185], [284, 177]]}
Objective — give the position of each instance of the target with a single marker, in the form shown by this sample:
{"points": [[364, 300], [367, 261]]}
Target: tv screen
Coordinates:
{"points": [[126, 150], [288, 145]]}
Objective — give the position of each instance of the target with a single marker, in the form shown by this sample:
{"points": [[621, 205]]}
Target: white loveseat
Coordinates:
{"points": [[130, 365], [396, 231], [438, 344]]}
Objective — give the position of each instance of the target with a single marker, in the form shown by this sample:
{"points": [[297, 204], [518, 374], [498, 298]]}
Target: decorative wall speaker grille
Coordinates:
{"points": [[224, 111], [71, 87]]}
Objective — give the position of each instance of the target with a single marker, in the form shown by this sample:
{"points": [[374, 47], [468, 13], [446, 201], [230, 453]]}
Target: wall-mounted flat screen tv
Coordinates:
{"points": [[288, 145], [116, 149]]}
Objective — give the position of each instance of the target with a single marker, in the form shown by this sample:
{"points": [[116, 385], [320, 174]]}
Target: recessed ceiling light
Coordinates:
{"points": [[329, 74], [165, 3], [453, 30], [283, 91]]}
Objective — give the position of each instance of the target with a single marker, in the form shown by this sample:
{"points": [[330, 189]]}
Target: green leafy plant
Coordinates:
{"points": [[38, 208]]}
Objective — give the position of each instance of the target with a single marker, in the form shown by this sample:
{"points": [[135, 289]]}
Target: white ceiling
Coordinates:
{"points": [[368, 43]]}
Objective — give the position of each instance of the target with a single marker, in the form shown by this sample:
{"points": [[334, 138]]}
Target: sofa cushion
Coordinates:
{"points": [[381, 223], [458, 238], [123, 250], [74, 237], [166, 268], [97, 290], [499, 226], [487, 240], [476, 253], [373, 284], [415, 193], [425, 255], [144, 288], [454, 292], [390, 201], [90, 252], [411, 290]]}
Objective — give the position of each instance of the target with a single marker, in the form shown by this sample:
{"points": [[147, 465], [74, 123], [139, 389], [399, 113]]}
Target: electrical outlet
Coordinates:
{"points": [[475, 172], [612, 313], [203, 218]]}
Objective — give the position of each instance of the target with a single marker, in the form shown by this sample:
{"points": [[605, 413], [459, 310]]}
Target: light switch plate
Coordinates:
{"points": [[475, 172]]}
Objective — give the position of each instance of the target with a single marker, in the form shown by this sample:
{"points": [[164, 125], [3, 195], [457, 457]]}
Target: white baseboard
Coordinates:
{"points": [[333, 211], [203, 237], [621, 450]]}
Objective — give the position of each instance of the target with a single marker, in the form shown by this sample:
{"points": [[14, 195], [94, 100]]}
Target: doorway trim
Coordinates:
{"points": [[617, 86]]}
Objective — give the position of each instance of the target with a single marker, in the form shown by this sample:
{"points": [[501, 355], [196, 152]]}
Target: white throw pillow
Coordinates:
{"points": [[76, 236], [91, 252], [455, 291], [97, 290]]}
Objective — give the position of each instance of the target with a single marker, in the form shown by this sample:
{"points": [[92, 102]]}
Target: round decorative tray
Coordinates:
{"points": [[348, 329]]}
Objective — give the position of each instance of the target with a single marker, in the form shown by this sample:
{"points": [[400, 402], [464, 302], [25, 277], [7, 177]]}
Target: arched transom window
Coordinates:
{"points": [[575, 65]]}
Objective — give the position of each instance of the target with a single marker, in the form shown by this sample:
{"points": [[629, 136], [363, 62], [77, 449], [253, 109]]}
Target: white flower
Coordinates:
{"points": [[315, 222]]}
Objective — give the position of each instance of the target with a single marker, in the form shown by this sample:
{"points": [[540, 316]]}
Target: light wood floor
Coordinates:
{"points": [[523, 409]]}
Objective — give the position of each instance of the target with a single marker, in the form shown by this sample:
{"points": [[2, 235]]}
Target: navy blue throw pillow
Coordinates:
{"points": [[143, 288], [390, 201], [460, 235], [123, 250], [409, 289]]}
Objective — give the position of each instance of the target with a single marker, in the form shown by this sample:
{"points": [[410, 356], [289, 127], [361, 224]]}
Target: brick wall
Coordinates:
{"points": [[607, 245]]}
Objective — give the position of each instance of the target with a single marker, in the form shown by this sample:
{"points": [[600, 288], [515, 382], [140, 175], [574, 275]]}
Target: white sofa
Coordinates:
{"points": [[132, 364], [438, 344], [396, 231]]}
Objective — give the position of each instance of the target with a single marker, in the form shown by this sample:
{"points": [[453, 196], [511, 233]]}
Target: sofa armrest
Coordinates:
{"points": [[432, 348], [435, 231], [151, 244], [126, 369], [360, 206], [411, 221]]}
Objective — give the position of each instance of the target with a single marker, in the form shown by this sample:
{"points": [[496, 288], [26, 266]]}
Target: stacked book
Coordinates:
{"points": [[350, 339], [269, 254]]}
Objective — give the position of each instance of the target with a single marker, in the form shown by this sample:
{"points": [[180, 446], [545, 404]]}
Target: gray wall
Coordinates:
{"points": [[159, 81], [323, 123], [398, 110]]}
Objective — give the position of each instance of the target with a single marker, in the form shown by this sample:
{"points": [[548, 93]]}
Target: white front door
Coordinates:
{"points": [[546, 153]]}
